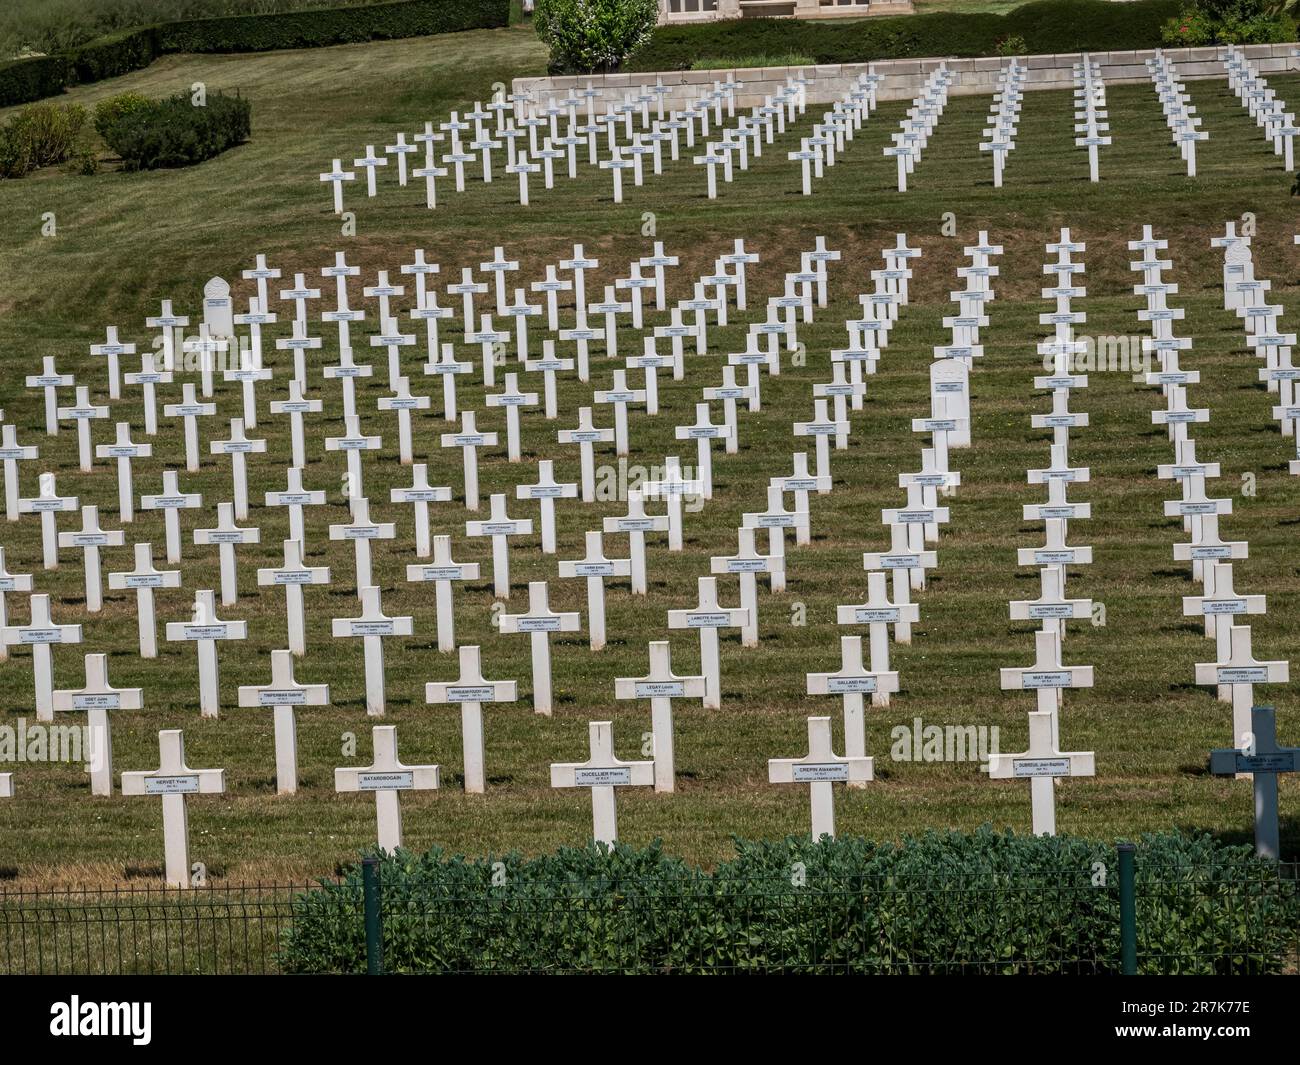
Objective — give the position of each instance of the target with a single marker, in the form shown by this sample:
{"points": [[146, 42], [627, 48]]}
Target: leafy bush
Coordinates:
{"points": [[1010, 45], [49, 130], [15, 155], [1046, 26], [590, 36], [173, 132], [942, 902], [108, 112], [1230, 22]]}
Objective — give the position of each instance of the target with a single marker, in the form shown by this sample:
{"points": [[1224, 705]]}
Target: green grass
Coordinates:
{"points": [[790, 60], [126, 241]]}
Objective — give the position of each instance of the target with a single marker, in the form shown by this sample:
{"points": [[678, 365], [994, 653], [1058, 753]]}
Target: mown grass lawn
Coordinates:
{"points": [[125, 241]]}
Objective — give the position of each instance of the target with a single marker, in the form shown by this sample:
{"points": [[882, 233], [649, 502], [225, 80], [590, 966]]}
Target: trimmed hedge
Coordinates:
{"points": [[121, 53], [942, 902], [173, 132], [1047, 26]]}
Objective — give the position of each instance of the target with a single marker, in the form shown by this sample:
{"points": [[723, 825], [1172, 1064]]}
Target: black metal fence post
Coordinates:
{"points": [[1127, 911], [374, 918]]}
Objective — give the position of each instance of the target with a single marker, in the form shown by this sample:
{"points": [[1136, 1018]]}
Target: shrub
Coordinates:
{"points": [[85, 162], [33, 79], [49, 131], [15, 158], [173, 132], [589, 36], [109, 112], [1230, 22], [1046, 26], [941, 902], [1010, 45]]}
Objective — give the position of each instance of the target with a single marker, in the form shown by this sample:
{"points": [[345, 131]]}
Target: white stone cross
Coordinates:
{"points": [[747, 563], [1042, 763], [636, 523], [352, 443], [1047, 677], [442, 571], [471, 691], [387, 776], [48, 504], [707, 617], [39, 634], [819, 768], [206, 344], [226, 534], [83, 412], [512, 400], [878, 613], [250, 369], [548, 366], [190, 410], [671, 486], [361, 530], [90, 538], [370, 162], [112, 349], [97, 698], [546, 491], [174, 780], [419, 493], [12, 453], [595, 568], [776, 519], [1239, 672], [620, 397], [851, 682], [295, 497], [144, 579], [586, 436], [552, 285], [9, 582], [296, 406], [292, 576], [539, 622], [336, 176], [237, 447], [661, 686], [204, 631], [282, 695], [821, 428], [171, 501], [499, 526], [469, 440], [124, 449], [403, 402], [348, 370], [299, 342], [447, 367], [50, 381], [602, 773], [704, 432], [372, 627], [467, 288], [401, 149]]}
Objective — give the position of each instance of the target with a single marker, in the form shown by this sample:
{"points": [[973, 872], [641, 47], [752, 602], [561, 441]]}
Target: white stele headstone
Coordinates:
{"points": [[373, 626], [124, 449], [707, 617], [226, 534], [1042, 763], [469, 440], [282, 695], [661, 686], [361, 531], [39, 634], [586, 436], [97, 698], [292, 576], [83, 412], [471, 691], [546, 491], [419, 493], [499, 526], [48, 504], [602, 773], [819, 769], [852, 681], [10, 582], [12, 453], [387, 776], [90, 538], [144, 579], [442, 570], [539, 622], [204, 632], [174, 780], [595, 568]]}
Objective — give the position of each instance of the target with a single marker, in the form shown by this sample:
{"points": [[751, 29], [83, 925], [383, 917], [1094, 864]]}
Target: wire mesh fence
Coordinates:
{"points": [[950, 923]]}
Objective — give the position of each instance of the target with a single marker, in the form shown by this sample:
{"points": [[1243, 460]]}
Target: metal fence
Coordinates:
{"points": [[944, 923]]}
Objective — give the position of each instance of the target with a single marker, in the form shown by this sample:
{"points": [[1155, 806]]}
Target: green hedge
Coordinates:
{"points": [[173, 132], [1047, 26], [942, 902], [120, 53]]}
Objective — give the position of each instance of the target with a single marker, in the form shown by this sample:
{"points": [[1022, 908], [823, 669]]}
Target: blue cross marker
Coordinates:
{"points": [[1261, 756]]}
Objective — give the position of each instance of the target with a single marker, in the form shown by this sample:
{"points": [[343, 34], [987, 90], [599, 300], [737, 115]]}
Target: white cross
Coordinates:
{"points": [[295, 497], [372, 626], [539, 622], [292, 576], [348, 370], [546, 491], [361, 530], [237, 447], [1047, 677], [90, 538], [170, 501], [295, 407], [9, 582], [420, 494], [471, 691], [801, 482], [50, 381], [661, 686], [39, 634], [282, 695], [370, 162], [12, 453], [403, 402], [499, 526], [83, 412], [469, 440], [190, 409], [776, 519], [851, 682], [124, 449], [386, 776], [707, 617], [620, 397], [97, 698], [602, 773], [747, 563], [819, 768], [595, 568], [878, 613], [821, 428], [671, 486], [144, 578], [1042, 763], [174, 780], [112, 349], [48, 504], [636, 523], [352, 443], [512, 400], [226, 534], [204, 631], [1240, 672], [299, 343], [336, 175], [442, 571], [586, 436]]}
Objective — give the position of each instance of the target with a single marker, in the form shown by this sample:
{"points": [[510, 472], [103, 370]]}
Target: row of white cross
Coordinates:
{"points": [[1180, 115], [1263, 105], [1004, 117], [1091, 125], [919, 123], [836, 128]]}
